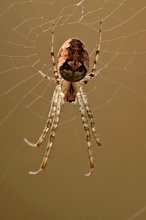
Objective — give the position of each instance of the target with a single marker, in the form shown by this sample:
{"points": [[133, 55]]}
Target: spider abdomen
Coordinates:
{"points": [[73, 60]]}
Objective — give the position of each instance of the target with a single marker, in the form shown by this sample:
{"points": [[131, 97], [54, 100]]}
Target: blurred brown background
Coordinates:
{"points": [[117, 189]]}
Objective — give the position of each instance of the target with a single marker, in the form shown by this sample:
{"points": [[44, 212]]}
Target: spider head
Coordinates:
{"points": [[73, 60]]}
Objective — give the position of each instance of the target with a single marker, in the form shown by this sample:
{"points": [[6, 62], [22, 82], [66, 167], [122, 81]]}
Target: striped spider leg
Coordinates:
{"points": [[51, 125], [86, 111]]}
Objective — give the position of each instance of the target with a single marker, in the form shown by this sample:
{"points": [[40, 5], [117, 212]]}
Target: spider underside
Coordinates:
{"points": [[70, 73]]}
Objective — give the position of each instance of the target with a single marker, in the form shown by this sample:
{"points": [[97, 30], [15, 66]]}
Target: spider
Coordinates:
{"points": [[70, 73]]}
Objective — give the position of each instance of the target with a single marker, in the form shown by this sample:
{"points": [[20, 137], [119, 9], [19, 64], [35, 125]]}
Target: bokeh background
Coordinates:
{"points": [[117, 189]]}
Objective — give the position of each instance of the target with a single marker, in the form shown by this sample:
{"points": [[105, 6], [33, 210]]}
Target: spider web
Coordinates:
{"points": [[117, 96]]}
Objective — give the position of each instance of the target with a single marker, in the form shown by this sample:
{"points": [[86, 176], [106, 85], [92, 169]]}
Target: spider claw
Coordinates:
{"points": [[29, 143], [99, 143], [35, 172], [90, 172]]}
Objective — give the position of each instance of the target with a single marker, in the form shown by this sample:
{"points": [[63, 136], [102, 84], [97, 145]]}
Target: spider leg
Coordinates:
{"points": [[48, 77], [87, 131], [52, 54], [57, 77], [48, 124], [56, 110], [94, 72], [43, 135], [90, 115], [87, 78]]}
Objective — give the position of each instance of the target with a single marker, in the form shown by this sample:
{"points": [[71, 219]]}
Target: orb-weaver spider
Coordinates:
{"points": [[70, 73]]}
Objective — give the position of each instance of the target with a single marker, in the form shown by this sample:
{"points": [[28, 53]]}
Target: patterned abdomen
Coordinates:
{"points": [[73, 60]]}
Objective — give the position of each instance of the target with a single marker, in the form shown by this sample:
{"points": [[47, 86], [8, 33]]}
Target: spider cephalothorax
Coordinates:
{"points": [[71, 71]]}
